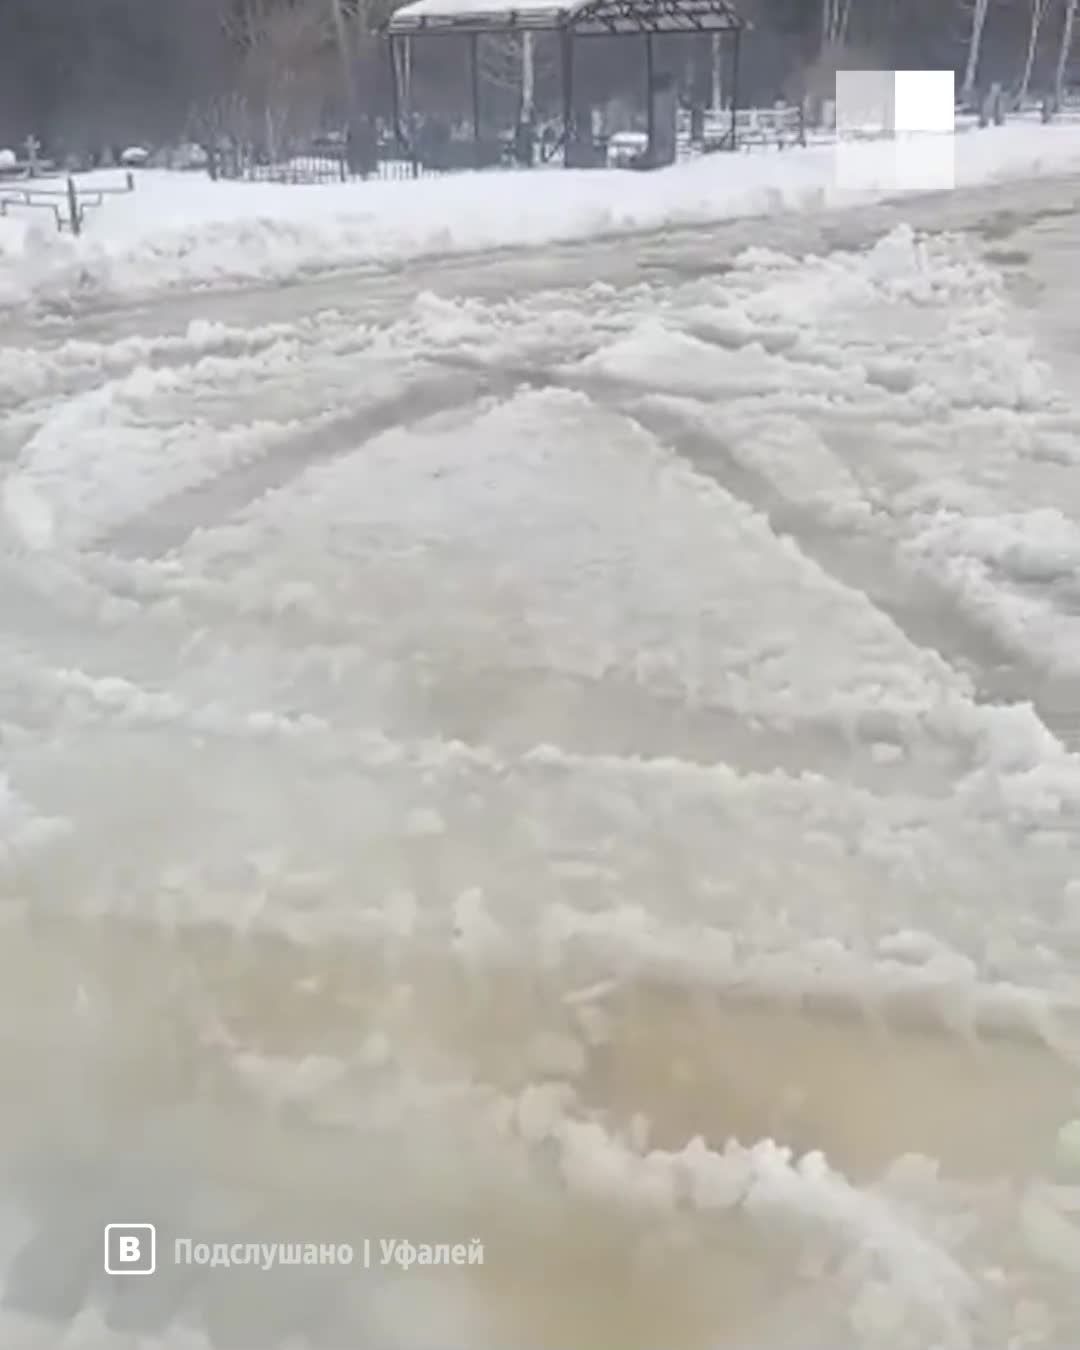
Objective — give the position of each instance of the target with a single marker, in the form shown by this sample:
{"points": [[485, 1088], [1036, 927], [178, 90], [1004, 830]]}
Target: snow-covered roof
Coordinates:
{"points": [[586, 17], [480, 15]]}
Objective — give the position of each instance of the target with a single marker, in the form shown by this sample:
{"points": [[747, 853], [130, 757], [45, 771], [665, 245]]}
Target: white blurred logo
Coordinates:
{"points": [[896, 130]]}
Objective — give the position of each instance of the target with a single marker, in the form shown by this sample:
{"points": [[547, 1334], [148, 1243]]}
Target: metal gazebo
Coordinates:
{"points": [[567, 19]]}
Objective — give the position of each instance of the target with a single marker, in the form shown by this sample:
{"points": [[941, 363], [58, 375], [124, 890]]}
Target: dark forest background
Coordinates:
{"points": [[85, 74]]}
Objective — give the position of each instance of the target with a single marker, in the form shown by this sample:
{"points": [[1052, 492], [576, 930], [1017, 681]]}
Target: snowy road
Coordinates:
{"points": [[470, 756]]}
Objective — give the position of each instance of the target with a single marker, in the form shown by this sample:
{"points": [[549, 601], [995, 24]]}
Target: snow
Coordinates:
{"points": [[441, 9], [179, 231], [579, 767], [1068, 1148]]}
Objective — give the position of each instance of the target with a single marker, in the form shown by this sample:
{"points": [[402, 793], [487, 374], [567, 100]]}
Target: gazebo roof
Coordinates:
{"points": [[587, 18]]}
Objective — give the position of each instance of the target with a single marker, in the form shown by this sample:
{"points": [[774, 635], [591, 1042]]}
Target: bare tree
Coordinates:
{"points": [[1038, 13], [216, 120], [835, 18], [286, 53], [346, 55], [1065, 51], [978, 24], [516, 66]]}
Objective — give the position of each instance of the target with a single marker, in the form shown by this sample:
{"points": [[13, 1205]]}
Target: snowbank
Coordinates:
{"points": [[179, 232]]}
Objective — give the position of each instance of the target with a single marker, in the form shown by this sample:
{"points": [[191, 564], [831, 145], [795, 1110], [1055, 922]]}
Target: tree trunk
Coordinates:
{"points": [[271, 135], [345, 56], [828, 23], [1038, 10], [1064, 53], [528, 79], [978, 22]]}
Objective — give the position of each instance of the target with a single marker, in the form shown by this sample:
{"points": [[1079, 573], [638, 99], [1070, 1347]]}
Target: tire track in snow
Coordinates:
{"points": [[168, 525], [851, 560], [927, 613], [866, 563], [514, 711], [61, 617]]}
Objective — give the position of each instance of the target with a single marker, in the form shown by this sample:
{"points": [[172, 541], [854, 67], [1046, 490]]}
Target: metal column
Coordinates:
{"points": [[395, 93], [474, 74], [735, 91], [569, 131], [650, 76]]}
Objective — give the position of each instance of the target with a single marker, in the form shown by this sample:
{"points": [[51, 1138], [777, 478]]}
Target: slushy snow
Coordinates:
{"points": [[590, 769]]}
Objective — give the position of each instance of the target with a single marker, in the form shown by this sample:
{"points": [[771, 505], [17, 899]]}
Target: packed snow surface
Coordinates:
{"points": [[180, 230], [585, 767]]}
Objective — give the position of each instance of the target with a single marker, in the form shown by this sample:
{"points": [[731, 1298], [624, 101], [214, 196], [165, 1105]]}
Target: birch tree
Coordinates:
{"points": [[1065, 51], [835, 17], [978, 24], [1038, 13], [513, 64]]}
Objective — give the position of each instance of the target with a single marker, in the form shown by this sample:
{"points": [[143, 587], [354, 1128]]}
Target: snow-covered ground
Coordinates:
{"points": [[591, 767], [180, 230]]}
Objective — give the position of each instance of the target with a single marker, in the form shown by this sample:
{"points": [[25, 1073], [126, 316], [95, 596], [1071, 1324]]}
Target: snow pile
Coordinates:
{"points": [[177, 231]]}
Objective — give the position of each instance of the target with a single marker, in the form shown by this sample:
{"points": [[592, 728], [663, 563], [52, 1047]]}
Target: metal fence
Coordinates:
{"points": [[316, 169], [33, 183], [1046, 110], [66, 200]]}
